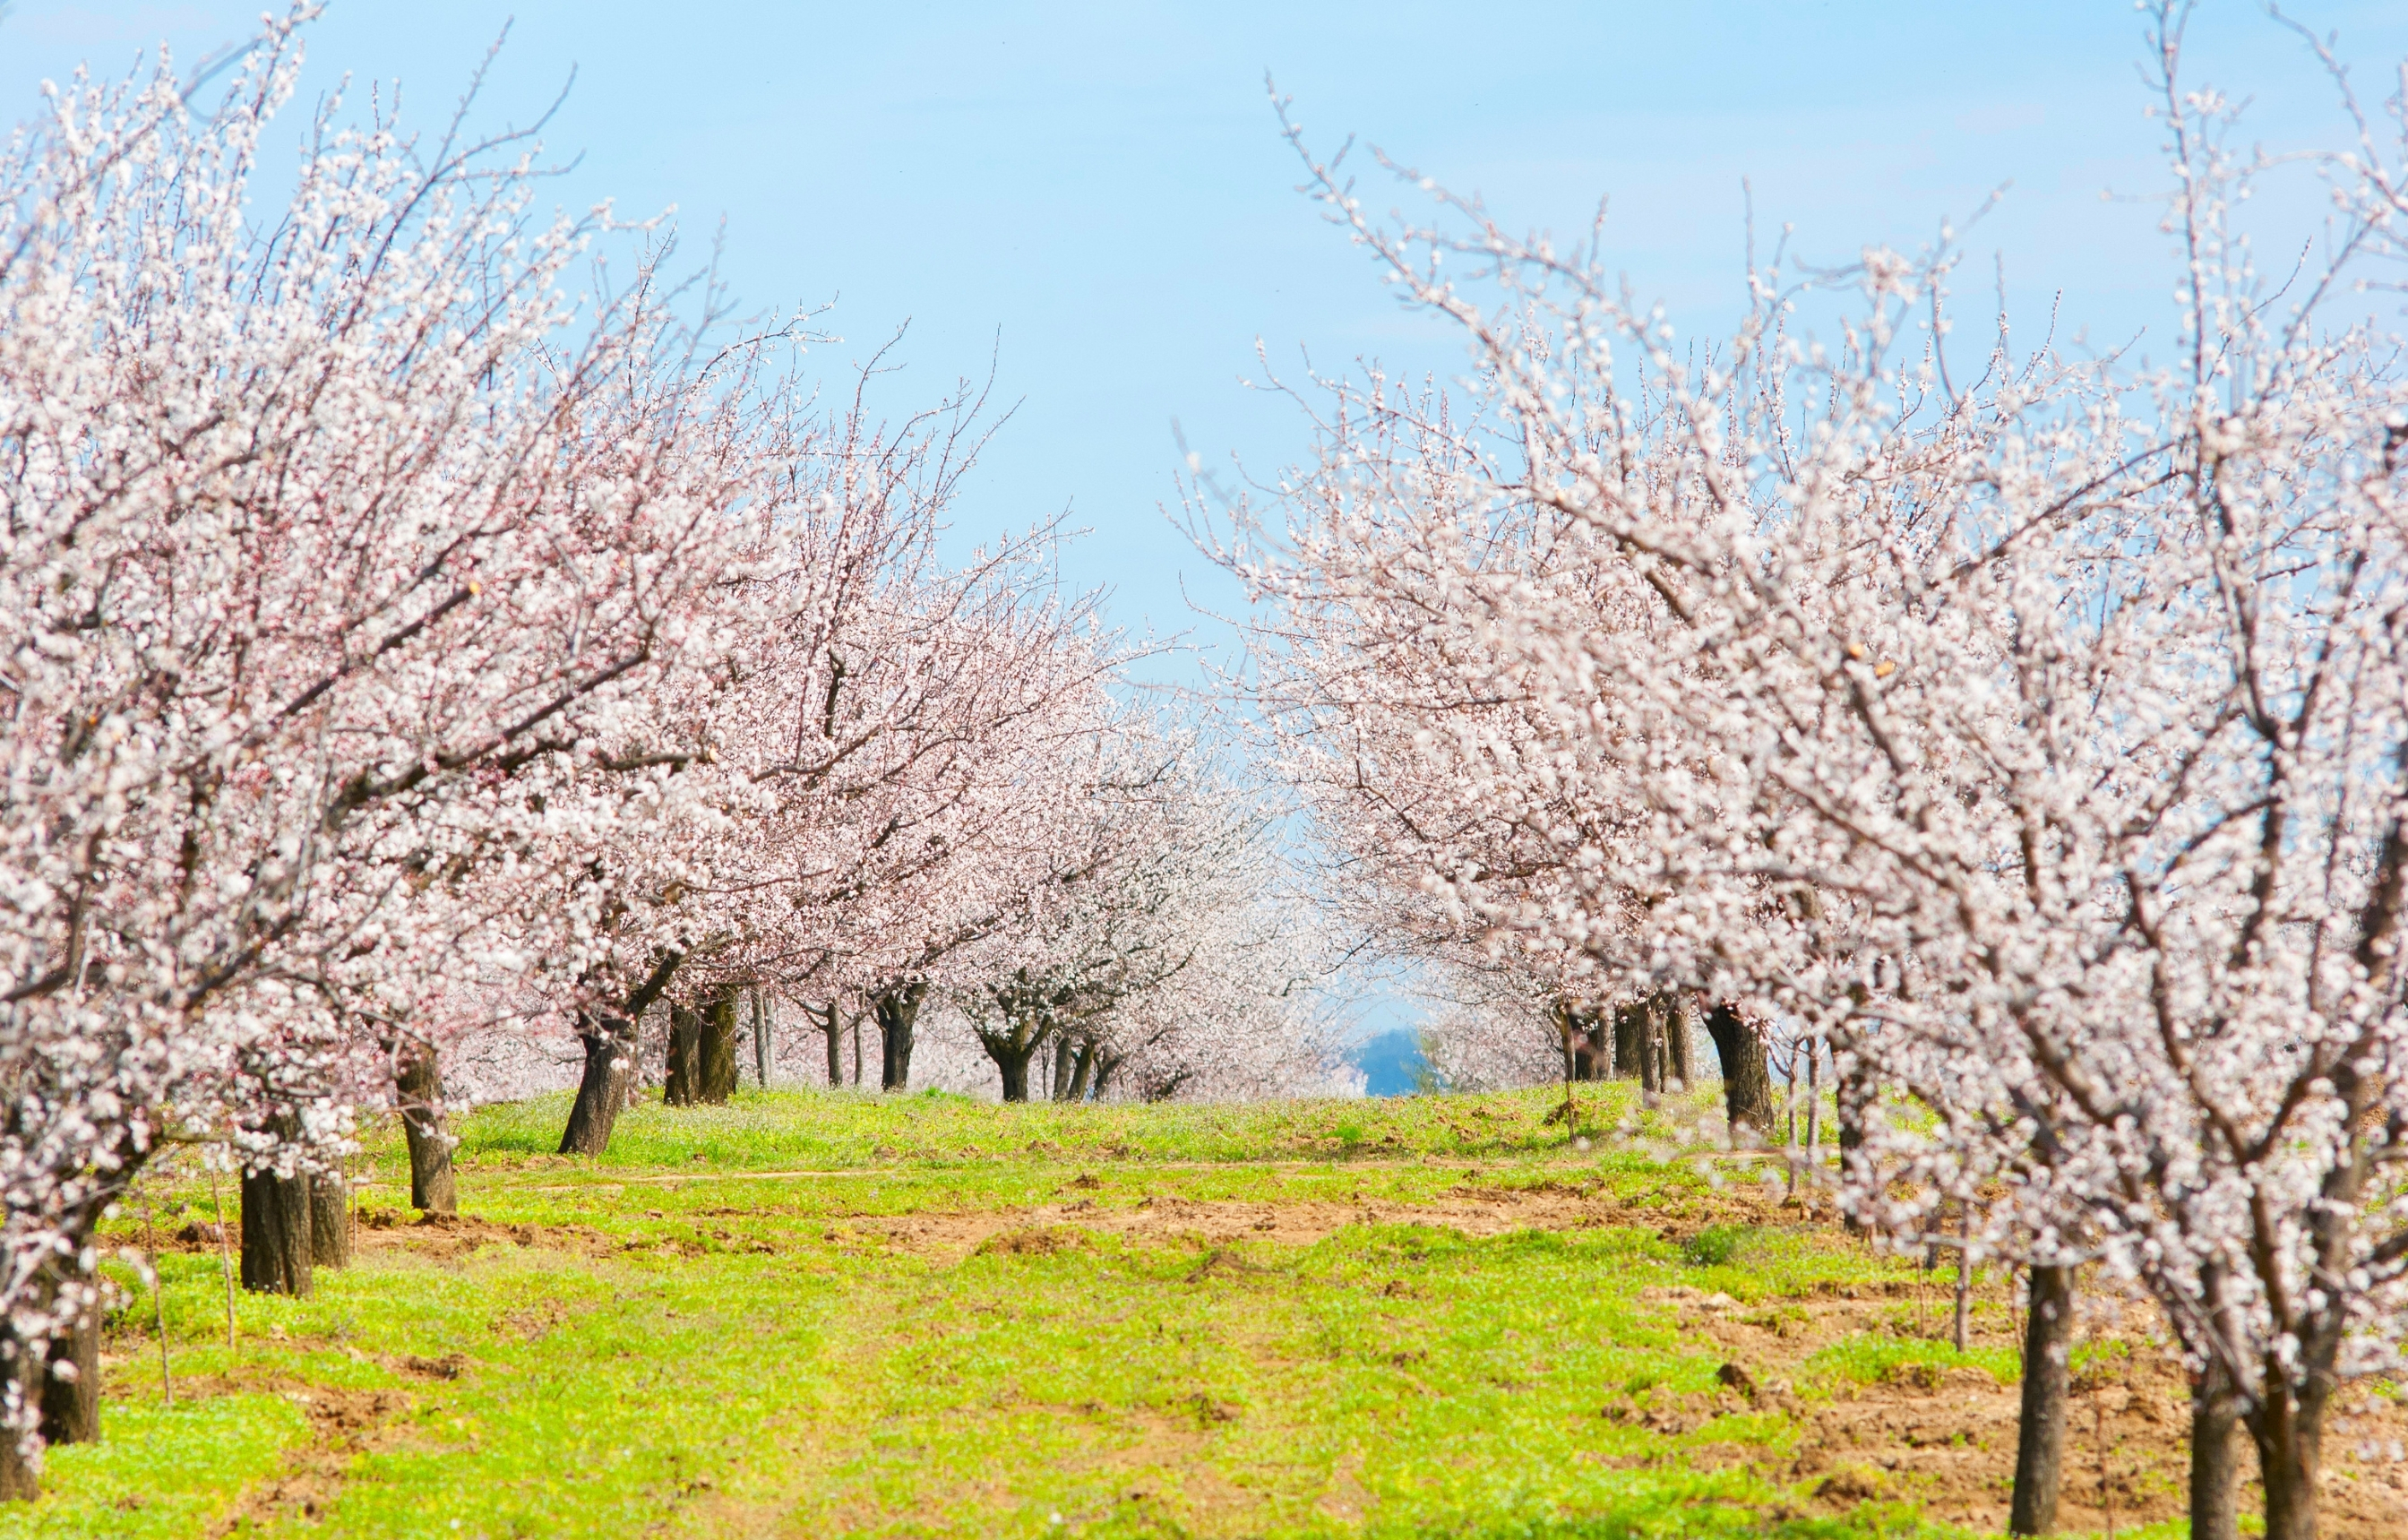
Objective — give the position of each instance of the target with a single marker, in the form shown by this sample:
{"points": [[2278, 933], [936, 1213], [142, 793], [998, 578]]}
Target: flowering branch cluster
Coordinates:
{"points": [[385, 636], [2035, 733]]}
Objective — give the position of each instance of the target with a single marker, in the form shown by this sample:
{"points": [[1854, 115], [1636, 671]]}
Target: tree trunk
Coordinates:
{"points": [[276, 1233], [719, 1026], [857, 1051], [1106, 1062], [2289, 1434], [1629, 1039], [330, 1220], [897, 1009], [1013, 1060], [21, 1368], [1084, 1068], [1855, 1100], [832, 1024], [1680, 1036], [71, 1405], [419, 1084], [681, 1085], [2040, 1435], [1747, 1080], [602, 1089], [2214, 1465]]}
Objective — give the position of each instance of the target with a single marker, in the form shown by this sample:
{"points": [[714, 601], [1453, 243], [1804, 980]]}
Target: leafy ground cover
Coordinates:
{"points": [[830, 1313]]}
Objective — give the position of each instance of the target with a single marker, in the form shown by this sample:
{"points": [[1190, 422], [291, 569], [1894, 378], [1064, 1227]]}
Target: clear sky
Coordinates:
{"points": [[1103, 188]]}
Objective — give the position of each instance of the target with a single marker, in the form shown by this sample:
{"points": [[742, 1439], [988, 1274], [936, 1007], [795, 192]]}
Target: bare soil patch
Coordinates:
{"points": [[343, 1426], [450, 1236], [1945, 1438], [1470, 1210]]}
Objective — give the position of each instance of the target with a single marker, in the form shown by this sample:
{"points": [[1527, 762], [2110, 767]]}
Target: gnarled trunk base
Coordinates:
{"points": [[1747, 1079], [602, 1089], [1013, 1061], [897, 1010]]}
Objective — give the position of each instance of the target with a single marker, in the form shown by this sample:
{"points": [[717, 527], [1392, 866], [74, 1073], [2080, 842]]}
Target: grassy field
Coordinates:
{"points": [[813, 1315]]}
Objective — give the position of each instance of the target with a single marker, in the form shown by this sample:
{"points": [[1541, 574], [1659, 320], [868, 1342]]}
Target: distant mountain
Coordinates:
{"points": [[1392, 1063]]}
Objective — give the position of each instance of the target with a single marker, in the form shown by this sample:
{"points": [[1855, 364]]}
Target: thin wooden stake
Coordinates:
{"points": [[2106, 1491], [1964, 1272], [1792, 1068], [226, 1255]]}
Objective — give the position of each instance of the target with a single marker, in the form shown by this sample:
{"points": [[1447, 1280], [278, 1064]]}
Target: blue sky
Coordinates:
{"points": [[1103, 187]]}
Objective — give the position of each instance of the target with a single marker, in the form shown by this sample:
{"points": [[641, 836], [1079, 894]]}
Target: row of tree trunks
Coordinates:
{"points": [[702, 1051], [1076, 1061], [309, 1224], [2040, 1431], [702, 1063], [293, 1225], [1651, 1042]]}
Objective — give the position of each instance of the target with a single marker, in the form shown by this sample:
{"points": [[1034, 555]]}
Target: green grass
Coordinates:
{"points": [[1874, 1361], [849, 1130], [771, 1319]]}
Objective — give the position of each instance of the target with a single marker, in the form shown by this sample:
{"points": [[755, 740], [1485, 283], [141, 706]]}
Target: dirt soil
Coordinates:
{"points": [[1470, 1209]]}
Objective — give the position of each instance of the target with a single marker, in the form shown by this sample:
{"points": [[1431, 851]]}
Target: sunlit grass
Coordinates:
{"points": [[720, 1329]]}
